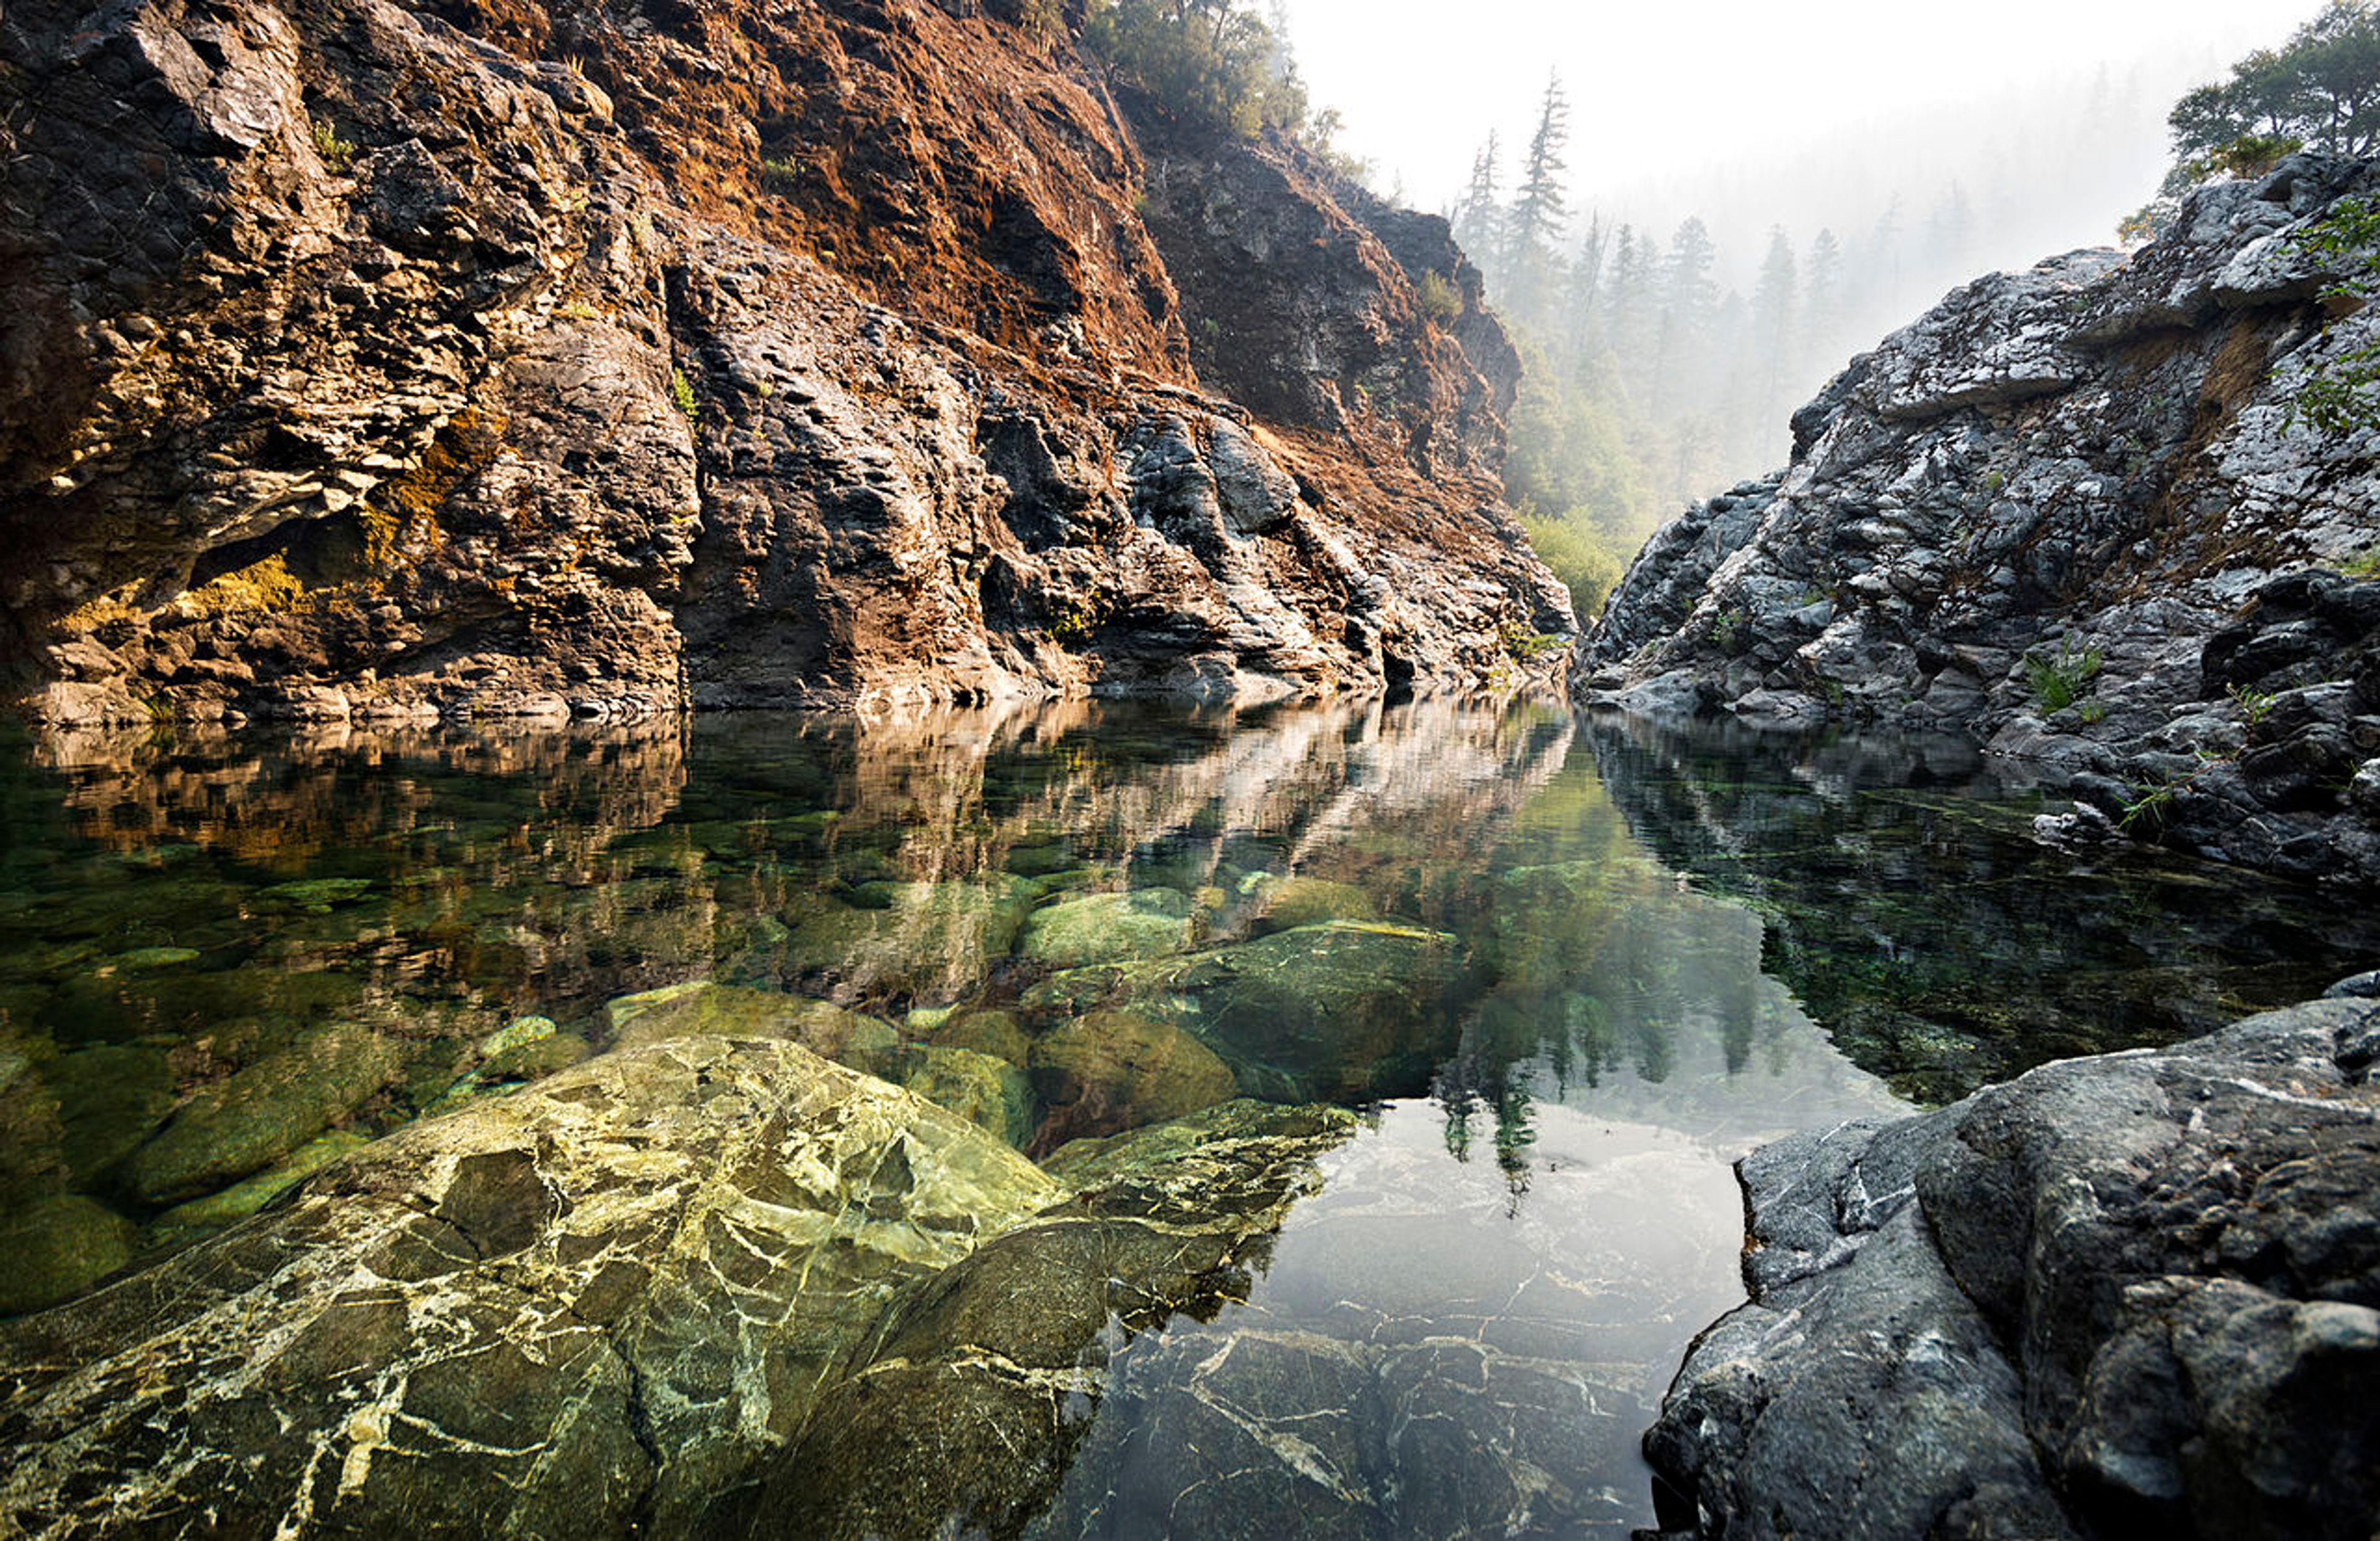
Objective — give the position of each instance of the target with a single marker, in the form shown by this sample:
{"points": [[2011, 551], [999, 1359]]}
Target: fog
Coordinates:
{"points": [[1845, 163], [1784, 109]]}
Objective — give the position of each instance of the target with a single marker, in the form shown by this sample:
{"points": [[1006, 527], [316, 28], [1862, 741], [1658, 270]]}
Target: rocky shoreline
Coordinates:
{"points": [[375, 362], [2069, 514], [2127, 1296]]}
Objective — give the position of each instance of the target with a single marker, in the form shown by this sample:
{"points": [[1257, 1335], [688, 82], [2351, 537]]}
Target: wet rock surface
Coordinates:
{"points": [[510, 361], [577, 1311], [2127, 1295], [2068, 514]]}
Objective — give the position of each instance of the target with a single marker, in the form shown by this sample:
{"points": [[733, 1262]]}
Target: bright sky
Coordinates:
{"points": [[1691, 83]]}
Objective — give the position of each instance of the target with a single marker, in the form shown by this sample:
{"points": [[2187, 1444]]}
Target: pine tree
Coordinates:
{"points": [[1689, 301], [1582, 300], [1541, 210], [1822, 308], [1775, 303], [1951, 233], [1633, 314], [1480, 218]]}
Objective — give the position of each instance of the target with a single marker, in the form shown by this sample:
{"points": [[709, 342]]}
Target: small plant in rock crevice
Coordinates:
{"points": [[682, 396], [1526, 645], [2254, 705], [2057, 683], [337, 154]]}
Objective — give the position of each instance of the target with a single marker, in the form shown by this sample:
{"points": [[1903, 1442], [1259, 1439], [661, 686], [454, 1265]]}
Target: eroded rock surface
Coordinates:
{"points": [[2090, 469], [366, 359], [2137, 1295]]}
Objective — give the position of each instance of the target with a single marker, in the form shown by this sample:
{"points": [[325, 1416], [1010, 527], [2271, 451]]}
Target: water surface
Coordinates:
{"points": [[1568, 970]]}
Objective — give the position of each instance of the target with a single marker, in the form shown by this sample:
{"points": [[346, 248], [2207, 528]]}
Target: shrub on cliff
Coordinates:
{"points": [[2320, 90], [1208, 63]]}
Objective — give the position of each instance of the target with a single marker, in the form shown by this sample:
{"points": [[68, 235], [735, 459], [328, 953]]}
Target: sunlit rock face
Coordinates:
{"points": [[368, 361], [2087, 470]]}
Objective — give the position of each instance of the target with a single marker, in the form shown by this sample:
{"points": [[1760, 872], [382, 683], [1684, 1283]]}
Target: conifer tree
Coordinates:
{"points": [[1776, 340], [1480, 218], [1541, 208]]}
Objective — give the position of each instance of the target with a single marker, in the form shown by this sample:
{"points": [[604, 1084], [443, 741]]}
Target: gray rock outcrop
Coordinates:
{"points": [[2069, 513], [2130, 1295]]}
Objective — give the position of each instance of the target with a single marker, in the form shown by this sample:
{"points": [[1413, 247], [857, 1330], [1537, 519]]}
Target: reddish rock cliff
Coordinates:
{"points": [[359, 359]]}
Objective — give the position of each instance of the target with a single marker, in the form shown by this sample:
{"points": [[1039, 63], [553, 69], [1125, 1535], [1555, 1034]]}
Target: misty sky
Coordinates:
{"points": [[1701, 89]]}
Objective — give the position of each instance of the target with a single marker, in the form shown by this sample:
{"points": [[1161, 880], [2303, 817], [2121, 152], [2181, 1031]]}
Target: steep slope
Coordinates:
{"points": [[486, 357], [2092, 462]]}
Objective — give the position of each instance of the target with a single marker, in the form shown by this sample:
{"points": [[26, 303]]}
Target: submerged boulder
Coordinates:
{"points": [[1112, 1071], [55, 1248], [965, 1415], [583, 1310], [2129, 1296], [924, 942], [702, 1009], [259, 1114], [1341, 1011], [1110, 927]]}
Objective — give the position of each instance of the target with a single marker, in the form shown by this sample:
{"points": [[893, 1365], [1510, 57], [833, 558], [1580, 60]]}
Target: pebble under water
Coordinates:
{"points": [[1534, 980]]}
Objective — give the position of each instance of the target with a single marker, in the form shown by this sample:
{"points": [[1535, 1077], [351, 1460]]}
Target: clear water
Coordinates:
{"points": [[1667, 947]]}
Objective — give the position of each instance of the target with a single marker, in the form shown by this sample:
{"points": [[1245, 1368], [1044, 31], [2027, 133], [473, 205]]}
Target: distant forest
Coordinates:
{"points": [[1650, 384], [1659, 368]]}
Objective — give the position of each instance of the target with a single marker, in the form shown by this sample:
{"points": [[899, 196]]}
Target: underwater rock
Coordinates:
{"points": [[1109, 927], [703, 1009], [1289, 902], [1330, 1013], [989, 1093], [184, 1223], [261, 1113], [2133, 1295], [966, 1412], [110, 1099], [929, 942], [1110, 1071], [55, 1248], [986, 1030], [583, 1310]]}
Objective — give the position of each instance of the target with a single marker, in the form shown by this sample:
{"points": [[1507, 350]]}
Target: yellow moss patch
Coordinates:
{"points": [[268, 586]]}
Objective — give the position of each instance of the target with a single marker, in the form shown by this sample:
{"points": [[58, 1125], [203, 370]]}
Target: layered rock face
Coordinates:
{"points": [[2131, 1295], [2069, 513], [481, 358]]}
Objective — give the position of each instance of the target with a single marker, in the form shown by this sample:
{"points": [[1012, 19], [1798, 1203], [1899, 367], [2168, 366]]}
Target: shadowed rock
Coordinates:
{"points": [[2137, 1295]]}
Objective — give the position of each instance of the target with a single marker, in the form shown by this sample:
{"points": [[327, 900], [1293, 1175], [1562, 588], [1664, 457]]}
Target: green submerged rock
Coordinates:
{"points": [[987, 1030], [989, 1093], [259, 1114], [964, 1418], [589, 1309], [56, 1248], [110, 1099], [1336, 1011], [1286, 903], [1110, 927], [704, 1010], [980, 1088], [1113, 1071], [201, 1217], [929, 942]]}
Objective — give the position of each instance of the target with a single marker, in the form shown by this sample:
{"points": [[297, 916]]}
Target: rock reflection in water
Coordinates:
{"points": [[1566, 971]]}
